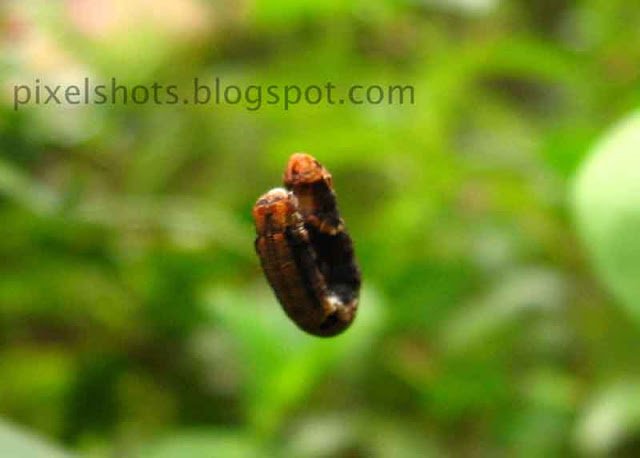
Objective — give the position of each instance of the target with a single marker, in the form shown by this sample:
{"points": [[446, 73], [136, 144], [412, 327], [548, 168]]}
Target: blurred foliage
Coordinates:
{"points": [[134, 319]]}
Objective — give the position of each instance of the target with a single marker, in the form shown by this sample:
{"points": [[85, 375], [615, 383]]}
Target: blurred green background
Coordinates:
{"points": [[500, 306]]}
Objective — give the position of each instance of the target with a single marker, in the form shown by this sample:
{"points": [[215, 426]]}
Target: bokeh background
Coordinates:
{"points": [[500, 308]]}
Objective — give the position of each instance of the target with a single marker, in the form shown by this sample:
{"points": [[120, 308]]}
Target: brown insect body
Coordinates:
{"points": [[305, 252]]}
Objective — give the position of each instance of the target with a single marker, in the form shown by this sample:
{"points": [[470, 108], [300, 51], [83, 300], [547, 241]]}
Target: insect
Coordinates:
{"points": [[305, 251]]}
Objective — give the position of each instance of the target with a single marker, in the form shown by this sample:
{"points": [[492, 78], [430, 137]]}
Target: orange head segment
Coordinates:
{"points": [[304, 169], [274, 211]]}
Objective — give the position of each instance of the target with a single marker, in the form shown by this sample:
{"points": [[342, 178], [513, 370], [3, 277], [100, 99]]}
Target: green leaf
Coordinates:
{"points": [[20, 444], [607, 208], [612, 416]]}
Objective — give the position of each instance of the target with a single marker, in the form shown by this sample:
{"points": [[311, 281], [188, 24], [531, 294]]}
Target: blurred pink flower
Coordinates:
{"points": [[101, 19]]}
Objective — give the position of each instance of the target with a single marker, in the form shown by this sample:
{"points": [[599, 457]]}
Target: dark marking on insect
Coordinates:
{"points": [[305, 251]]}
